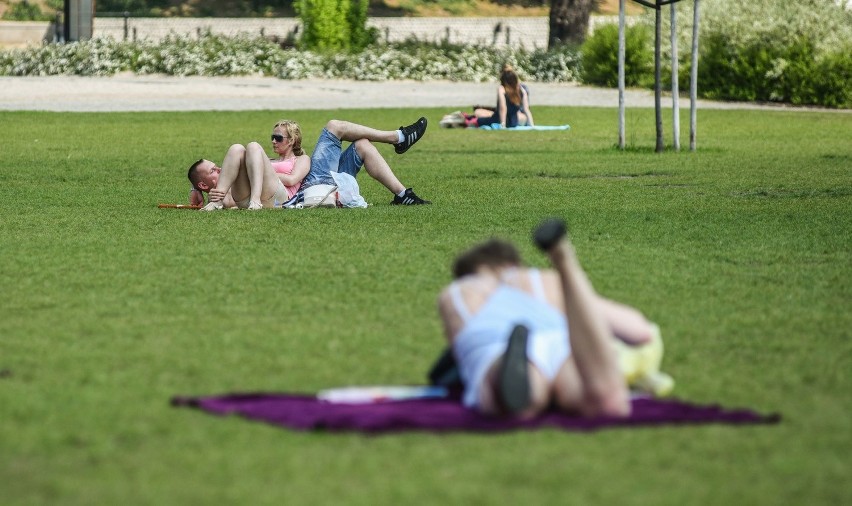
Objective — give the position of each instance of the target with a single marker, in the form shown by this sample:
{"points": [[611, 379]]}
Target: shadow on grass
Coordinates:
{"points": [[792, 193], [651, 150], [603, 176]]}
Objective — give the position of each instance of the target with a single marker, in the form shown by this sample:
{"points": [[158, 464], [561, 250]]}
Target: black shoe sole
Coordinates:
{"points": [[513, 381]]}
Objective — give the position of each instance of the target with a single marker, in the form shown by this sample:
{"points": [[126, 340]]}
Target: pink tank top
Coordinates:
{"points": [[286, 167]]}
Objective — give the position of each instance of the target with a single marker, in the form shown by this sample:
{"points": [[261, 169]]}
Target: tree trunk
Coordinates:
{"points": [[569, 21]]}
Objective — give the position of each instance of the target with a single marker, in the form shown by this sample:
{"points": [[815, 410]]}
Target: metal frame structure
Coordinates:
{"points": [[657, 5]]}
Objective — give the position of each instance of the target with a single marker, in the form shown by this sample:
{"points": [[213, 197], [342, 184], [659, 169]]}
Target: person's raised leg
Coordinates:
{"points": [[604, 391], [262, 178], [401, 139], [348, 131], [232, 178], [376, 165], [639, 352]]}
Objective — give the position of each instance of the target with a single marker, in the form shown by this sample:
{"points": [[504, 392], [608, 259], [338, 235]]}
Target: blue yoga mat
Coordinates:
{"points": [[527, 128]]}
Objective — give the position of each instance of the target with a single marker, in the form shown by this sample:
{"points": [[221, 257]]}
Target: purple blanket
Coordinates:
{"points": [[306, 412]]}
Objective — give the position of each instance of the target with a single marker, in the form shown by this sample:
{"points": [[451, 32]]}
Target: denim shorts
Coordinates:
{"points": [[328, 157]]}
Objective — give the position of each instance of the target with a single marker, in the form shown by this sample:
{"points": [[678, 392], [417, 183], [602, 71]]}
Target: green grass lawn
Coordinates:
{"points": [[741, 251]]}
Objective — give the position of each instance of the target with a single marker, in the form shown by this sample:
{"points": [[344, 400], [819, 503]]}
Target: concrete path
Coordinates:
{"points": [[129, 92]]}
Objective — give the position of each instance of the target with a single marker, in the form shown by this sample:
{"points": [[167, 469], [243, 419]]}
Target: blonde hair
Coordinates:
{"points": [[294, 131]]}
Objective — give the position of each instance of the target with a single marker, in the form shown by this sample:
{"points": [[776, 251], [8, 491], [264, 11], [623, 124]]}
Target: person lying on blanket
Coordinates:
{"points": [[282, 179], [525, 339]]}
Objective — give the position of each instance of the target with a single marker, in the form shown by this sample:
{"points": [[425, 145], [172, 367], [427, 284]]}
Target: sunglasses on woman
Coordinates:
{"points": [[278, 138]]}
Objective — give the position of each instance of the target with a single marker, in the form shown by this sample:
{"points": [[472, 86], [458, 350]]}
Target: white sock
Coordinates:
{"points": [[400, 136], [401, 194]]}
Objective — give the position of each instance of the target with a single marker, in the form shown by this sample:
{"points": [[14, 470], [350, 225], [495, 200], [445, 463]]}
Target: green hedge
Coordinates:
{"points": [[794, 73]]}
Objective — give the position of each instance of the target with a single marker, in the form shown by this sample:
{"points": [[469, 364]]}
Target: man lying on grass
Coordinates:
{"points": [[525, 340], [248, 179]]}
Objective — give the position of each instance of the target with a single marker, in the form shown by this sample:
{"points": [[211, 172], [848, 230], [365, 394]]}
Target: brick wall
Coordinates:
{"points": [[529, 32]]}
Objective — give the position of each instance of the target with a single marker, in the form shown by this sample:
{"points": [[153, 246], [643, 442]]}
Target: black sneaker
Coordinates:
{"points": [[409, 198], [513, 383], [411, 134]]}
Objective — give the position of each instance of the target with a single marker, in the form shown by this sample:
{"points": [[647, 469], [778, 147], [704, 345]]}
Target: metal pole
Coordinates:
{"points": [[693, 81], [621, 44], [657, 85], [675, 84], [57, 29], [126, 20]]}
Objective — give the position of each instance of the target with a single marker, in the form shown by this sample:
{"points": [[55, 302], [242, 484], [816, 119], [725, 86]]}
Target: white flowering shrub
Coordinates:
{"points": [[216, 55], [208, 55], [98, 57]]}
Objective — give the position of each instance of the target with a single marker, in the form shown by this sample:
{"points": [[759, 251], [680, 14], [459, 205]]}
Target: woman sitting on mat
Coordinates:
{"points": [[525, 340], [513, 104]]}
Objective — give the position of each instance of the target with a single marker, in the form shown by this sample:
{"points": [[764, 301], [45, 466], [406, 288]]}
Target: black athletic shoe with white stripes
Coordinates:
{"points": [[409, 198], [411, 134]]}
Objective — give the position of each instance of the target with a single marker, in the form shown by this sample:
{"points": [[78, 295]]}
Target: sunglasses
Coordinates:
{"points": [[278, 138]]}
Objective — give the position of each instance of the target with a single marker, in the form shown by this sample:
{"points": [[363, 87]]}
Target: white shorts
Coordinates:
{"points": [[548, 350], [277, 199]]}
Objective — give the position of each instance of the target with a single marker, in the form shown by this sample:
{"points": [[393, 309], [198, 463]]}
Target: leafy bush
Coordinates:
{"points": [[325, 24], [794, 73], [360, 36], [600, 56], [832, 79], [25, 11], [334, 25]]}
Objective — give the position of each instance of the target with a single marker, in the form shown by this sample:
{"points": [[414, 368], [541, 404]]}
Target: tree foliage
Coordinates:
{"points": [[600, 57], [334, 25]]}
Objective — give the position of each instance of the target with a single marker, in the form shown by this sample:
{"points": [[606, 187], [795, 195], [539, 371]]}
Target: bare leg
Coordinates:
{"points": [[377, 167], [233, 176], [483, 113], [627, 323], [568, 387], [346, 131], [261, 175], [604, 391]]}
